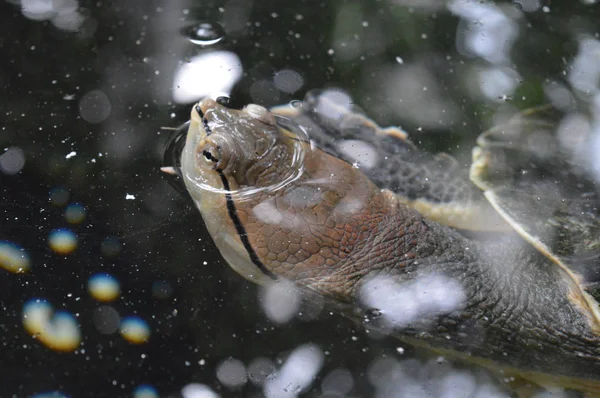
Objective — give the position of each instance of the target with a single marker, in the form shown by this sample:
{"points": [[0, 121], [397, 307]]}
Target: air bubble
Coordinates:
{"points": [[104, 287], [135, 330], [62, 241], [13, 258], [204, 33]]}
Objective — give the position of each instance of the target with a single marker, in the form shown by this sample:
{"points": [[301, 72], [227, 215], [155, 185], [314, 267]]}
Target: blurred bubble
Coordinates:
{"points": [[38, 10], [425, 5], [415, 94], [13, 258], [456, 383], [106, 319], [528, 5], [232, 373], [264, 92], [296, 374], [206, 74], [584, 73], [110, 247], [62, 241], [311, 308], [573, 133], [64, 14], [362, 153], [59, 197], [594, 150], [259, 369], [12, 160], [497, 83], [104, 287], [75, 213], [280, 301], [556, 393], [289, 81], [559, 95], [408, 302], [51, 394], [485, 31], [161, 290], [431, 379], [145, 391], [135, 330], [70, 20], [94, 106], [204, 33], [333, 104], [56, 330], [338, 381], [196, 390]]}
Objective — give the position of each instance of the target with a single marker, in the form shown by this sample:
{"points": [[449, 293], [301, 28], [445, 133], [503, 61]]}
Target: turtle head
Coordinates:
{"points": [[238, 151], [232, 160]]}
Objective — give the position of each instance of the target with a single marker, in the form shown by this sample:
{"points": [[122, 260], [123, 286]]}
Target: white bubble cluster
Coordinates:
{"points": [[57, 330], [64, 14], [206, 74], [297, 373], [422, 298], [196, 390], [484, 31], [584, 73], [431, 379], [280, 301]]}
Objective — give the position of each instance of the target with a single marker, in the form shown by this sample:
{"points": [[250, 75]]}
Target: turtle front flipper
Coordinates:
{"points": [[546, 193], [435, 185]]}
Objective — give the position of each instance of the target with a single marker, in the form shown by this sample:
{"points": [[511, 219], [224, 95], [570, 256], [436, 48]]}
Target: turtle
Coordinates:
{"points": [[496, 264]]}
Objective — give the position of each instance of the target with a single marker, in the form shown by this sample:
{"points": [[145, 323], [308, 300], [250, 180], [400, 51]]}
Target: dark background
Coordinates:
{"points": [[130, 50]]}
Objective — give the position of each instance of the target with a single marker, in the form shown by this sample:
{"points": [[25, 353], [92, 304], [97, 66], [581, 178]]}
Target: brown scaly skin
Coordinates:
{"points": [[331, 230]]}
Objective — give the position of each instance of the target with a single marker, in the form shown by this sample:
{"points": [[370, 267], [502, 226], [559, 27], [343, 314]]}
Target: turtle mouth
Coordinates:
{"points": [[172, 158]]}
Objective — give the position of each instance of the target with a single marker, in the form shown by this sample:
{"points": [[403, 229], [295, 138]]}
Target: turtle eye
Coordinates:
{"points": [[209, 157], [214, 153]]}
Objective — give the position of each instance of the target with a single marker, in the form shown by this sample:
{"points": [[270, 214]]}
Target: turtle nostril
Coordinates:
{"points": [[225, 101]]}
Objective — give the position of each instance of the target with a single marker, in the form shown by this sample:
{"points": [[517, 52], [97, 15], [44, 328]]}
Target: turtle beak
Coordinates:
{"points": [[172, 157], [169, 170]]}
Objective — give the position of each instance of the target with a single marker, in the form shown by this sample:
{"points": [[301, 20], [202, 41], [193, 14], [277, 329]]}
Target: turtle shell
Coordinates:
{"points": [[536, 170]]}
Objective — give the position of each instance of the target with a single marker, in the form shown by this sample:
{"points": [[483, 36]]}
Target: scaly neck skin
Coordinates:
{"points": [[333, 231]]}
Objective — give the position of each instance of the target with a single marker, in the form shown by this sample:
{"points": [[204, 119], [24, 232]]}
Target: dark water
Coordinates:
{"points": [[87, 88]]}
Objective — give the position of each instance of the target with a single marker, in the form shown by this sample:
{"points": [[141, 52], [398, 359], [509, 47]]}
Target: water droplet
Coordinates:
{"points": [[204, 33], [296, 104]]}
